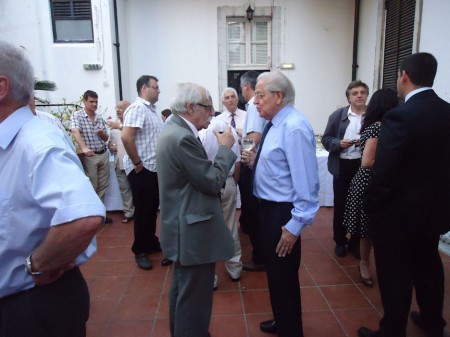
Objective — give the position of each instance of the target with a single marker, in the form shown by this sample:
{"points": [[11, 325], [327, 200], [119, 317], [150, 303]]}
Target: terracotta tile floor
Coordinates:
{"points": [[129, 302]]}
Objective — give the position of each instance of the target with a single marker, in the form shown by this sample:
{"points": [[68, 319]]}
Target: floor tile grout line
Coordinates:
{"points": [[243, 309]]}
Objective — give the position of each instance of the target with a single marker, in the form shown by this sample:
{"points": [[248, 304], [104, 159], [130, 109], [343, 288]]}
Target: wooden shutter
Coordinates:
{"points": [[398, 37]]}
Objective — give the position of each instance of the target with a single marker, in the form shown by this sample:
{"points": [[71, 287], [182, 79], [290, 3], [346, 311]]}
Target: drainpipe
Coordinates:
{"points": [[117, 45], [355, 40]]}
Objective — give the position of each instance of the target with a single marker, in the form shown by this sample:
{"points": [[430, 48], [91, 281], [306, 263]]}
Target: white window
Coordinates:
{"points": [[248, 42], [72, 20]]}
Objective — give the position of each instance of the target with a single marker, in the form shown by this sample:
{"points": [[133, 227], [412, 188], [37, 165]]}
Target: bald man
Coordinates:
{"points": [[116, 147]]}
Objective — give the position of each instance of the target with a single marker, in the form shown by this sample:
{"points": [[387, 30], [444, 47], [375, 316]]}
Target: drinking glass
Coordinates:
{"points": [[248, 144]]}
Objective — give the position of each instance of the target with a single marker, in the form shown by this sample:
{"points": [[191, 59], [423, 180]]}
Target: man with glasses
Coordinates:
{"points": [[141, 128], [193, 231], [286, 183]]}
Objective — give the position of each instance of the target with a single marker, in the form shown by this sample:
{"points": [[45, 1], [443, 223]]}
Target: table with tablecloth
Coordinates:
{"points": [[326, 197], [113, 199]]}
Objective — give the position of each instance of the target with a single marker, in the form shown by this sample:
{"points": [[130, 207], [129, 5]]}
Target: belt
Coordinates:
{"points": [[100, 152]]}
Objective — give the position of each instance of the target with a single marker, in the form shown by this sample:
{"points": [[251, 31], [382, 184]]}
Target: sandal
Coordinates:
{"points": [[127, 219]]}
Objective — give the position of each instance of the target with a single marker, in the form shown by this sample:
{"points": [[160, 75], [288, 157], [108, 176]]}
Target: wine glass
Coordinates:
{"points": [[248, 144]]}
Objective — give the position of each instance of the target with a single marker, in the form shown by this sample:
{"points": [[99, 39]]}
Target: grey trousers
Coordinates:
{"points": [[190, 299]]}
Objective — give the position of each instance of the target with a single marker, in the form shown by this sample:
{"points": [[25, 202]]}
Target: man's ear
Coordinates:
{"points": [[190, 108], [279, 97], [404, 77], [4, 87]]}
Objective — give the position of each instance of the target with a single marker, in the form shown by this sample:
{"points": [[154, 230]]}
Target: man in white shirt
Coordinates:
{"points": [[232, 115], [228, 194], [141, 128]]}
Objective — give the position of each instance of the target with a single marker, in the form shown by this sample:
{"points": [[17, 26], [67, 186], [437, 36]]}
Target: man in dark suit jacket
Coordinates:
{"points": [[408, 202], [193, 231], [340, 139]]}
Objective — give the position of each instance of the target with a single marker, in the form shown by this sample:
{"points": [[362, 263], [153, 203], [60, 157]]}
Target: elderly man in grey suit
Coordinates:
{"points": [[193, 231]]}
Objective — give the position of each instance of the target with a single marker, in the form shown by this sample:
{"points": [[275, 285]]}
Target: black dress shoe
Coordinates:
{"points": [[432, 331], [251, 266], [166, 262], [366, 332], [143, 261], [268, 326], [340, 251], [108, 220]]}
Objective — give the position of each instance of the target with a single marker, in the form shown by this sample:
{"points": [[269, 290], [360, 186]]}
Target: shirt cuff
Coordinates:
{"points": [[294, 227]]}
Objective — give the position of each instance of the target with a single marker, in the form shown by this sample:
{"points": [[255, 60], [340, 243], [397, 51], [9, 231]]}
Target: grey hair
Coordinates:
{"points": [[277, 81], [19, 71], [188, 93], [229, 89], [249, 78]]}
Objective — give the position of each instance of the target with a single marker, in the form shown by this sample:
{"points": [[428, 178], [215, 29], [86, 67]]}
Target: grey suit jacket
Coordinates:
{"points": [[332, 136], [193, 230]]}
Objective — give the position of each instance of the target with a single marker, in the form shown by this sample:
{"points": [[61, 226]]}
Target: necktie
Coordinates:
{"points": [[263, 137], [233, 122]]}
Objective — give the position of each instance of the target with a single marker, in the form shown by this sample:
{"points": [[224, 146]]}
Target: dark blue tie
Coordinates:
{"points": [[263, 137]]}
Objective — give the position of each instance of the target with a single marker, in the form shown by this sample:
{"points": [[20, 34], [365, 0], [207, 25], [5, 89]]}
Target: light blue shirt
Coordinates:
{"points": [[253, 122], [287, 168], [42, 184]]}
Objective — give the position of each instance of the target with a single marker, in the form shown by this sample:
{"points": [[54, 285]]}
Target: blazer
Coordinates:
{"points": [[193, 230], [331, 138], [410, 189]]}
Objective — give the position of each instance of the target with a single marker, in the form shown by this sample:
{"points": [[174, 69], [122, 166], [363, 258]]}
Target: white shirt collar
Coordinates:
{"points": [[416, 91], [192, 126]]}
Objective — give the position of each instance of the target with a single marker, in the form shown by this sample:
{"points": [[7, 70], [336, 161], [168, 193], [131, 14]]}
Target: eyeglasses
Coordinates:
{"points": [[151, 86], [207, 107]]}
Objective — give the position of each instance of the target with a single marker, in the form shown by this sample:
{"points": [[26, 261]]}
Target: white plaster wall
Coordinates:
{"points": [[434, 38], [176, 40], [369, 43], [27, 23], [318, 39]]}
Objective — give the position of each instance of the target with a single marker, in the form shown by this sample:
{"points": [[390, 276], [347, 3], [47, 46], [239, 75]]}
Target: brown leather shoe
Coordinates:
{"points": [[251, 266]]}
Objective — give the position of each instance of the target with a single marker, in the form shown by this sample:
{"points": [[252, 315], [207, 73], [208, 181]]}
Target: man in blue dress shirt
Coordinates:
{"points": [[49, 214], [286, 183]]}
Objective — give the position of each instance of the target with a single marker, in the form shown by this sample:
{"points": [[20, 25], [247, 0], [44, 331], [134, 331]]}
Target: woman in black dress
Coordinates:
{"points": [[354, 218]]}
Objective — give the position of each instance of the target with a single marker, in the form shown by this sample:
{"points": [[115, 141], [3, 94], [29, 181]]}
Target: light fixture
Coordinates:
{"points": [[249, 13], [287, 66], [92, 66]]}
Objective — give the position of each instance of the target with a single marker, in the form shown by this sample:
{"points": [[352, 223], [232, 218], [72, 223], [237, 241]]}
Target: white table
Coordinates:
{"points": [[326, 196], [113, 198]]}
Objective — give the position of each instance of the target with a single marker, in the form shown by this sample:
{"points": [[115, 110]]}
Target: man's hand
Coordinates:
{"points": [[225, 138], [138, 168], [115, 125], [346, 143], [53, 275], [88, 152], [286, 242], [112, 147], [248, 158]]}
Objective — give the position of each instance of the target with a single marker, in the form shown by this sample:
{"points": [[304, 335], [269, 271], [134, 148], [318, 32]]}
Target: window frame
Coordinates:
{"points": [[249, 28], [81, 16]]}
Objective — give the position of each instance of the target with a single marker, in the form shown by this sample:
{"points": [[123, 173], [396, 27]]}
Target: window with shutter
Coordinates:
{"points": [[248, 42], [399, 35], [72, 21]]}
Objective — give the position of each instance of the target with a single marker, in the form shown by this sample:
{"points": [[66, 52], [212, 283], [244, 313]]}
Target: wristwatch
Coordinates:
{"points": [[29, 269]]}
